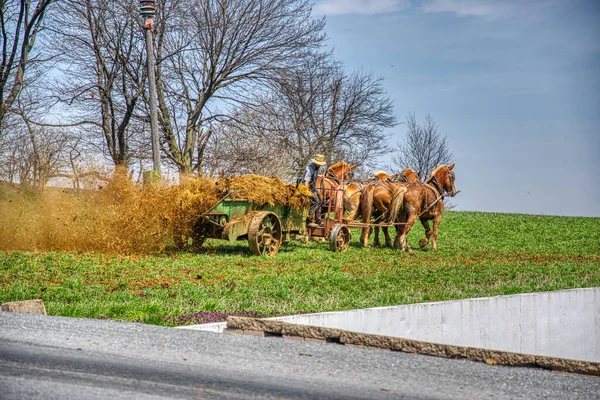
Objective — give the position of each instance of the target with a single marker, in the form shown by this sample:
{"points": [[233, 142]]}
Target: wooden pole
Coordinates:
{"points": [[147, 11]]}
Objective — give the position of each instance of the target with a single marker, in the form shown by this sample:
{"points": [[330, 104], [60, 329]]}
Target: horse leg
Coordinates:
{"points": [[353, 207], [376, 242], [400, 227], [388, 239], [412, 218], [436, 224], [353, 213], [397, 238], [423, 242], [364, 236], [366, 208]]}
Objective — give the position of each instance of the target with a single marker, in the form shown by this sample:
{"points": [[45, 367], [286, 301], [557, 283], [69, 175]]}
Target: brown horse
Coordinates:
{"points": [[426, 202], [376, 200], [336, 175], [352, 194], [408, 175], [353, 191]]}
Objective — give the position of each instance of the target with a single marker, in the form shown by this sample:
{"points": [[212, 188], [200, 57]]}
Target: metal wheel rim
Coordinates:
{"points": [[268, 235], [340, 239], [341, 242]]}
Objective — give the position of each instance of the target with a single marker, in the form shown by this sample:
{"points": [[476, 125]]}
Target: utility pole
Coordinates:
{"points": [[148, 10]]}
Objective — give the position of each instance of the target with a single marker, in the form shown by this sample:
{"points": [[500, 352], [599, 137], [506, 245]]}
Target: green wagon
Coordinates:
{"points": [[266, 227]]}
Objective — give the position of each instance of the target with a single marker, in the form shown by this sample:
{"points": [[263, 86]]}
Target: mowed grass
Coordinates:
{"points": [[479, 254]]}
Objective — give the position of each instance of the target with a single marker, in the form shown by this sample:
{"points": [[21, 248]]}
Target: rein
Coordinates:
{"points": [[360, 186]]}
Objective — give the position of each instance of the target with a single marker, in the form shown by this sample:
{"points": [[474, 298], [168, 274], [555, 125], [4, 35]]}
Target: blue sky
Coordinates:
{"points": [[515, 85]]}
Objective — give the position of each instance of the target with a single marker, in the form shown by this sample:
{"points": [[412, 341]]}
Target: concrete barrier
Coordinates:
{"points": [[563, 324]]}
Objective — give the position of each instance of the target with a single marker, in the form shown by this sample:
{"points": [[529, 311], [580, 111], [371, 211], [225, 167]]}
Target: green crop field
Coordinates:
{"points": [[479, 254]]}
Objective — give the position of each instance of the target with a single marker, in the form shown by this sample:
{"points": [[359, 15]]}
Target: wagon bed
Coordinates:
{"points": [[266, 227]]}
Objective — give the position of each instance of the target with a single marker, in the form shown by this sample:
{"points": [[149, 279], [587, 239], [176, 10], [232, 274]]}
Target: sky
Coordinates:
{"points": [[514, 85]]}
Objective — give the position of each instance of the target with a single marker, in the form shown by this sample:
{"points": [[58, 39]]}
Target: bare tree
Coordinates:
{"points": [[234, 151], [423, 148], [340, 115], [34, 155], [102, 58], [317, 108], [214, 53], [20, 23]]}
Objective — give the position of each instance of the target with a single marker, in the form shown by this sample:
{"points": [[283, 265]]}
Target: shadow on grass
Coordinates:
{"points": [[239, 248]]}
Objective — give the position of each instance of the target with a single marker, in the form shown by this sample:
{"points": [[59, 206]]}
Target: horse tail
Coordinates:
{"points": [[396, 203], [366, 204]]}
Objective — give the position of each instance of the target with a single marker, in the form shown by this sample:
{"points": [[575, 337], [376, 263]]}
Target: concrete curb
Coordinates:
{"points": [[262, 327]]}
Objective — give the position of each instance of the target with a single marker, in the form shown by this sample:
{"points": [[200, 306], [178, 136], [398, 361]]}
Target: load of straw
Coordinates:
{"points": [[262, 190], [123, 217]]}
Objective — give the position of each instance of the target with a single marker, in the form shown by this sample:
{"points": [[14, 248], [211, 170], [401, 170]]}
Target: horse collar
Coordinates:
{"points": [[436, 185]]}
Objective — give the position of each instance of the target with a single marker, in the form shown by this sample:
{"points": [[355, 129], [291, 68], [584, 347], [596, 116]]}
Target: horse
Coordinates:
{"points": [[353, 191], [335, 177], [426, 202], [408, 175], [377, 197]]}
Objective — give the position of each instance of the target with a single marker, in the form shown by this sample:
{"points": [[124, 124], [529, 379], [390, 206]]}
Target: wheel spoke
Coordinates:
{"points": [[265, 234]]}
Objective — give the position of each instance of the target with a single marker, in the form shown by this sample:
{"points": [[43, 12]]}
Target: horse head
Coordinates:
{"points": [[382, 175], [341, 170], [409, 175], [444, 177]]}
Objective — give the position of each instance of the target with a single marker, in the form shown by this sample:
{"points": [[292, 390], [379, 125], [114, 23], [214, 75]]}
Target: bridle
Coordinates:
{"points": [[433, 184]]}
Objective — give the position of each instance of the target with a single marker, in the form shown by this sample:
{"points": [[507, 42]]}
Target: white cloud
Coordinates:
{"points": [[368, 7], [491, 9]]}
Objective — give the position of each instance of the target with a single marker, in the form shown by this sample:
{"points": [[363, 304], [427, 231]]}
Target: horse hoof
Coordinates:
{"points": [[423, 242]]}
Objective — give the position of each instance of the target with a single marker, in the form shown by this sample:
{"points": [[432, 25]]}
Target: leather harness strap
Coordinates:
{"points": [[437, 191]]}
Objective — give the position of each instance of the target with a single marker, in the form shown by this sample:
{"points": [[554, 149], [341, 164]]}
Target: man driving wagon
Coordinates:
{"points": [[311, 172]]}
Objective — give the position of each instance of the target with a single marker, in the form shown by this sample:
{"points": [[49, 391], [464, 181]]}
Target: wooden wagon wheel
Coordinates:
{"points": [[339, 239], [264, 234]]}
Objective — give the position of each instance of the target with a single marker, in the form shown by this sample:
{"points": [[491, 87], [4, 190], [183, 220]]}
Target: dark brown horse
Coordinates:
{"points": [[424, 201], [376, 200]]}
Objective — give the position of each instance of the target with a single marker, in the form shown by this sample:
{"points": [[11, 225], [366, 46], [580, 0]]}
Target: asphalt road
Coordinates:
{"points": [[66, 358]]}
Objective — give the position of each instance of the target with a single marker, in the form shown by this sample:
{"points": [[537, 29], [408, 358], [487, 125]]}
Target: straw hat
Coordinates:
{"points": [[319, 159]]}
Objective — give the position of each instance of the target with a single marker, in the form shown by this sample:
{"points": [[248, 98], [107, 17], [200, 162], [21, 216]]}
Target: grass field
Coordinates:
{"points": [[479, 254]]}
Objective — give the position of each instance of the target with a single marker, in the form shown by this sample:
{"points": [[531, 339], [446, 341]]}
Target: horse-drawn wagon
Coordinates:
{"points": [[266, 227]]}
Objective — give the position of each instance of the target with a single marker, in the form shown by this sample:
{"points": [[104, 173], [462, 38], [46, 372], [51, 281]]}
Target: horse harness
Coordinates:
{"points": [[437, 190], [333, 180], [401, 177], [361, 186]]}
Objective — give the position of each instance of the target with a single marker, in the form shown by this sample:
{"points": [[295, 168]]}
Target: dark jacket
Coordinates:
{"points": [[310, 174]]}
